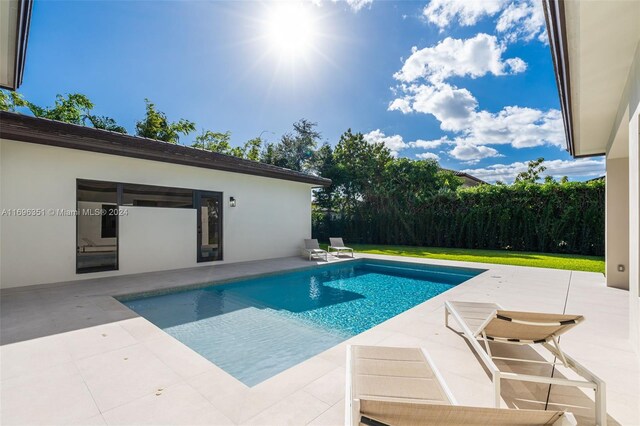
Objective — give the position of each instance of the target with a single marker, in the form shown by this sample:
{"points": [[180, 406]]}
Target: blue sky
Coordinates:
{"points": [[477, 92]]}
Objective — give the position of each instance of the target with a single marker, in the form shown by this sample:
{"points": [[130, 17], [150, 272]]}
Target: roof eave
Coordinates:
{"points": [[22, 37], [42, 131], [554, 16]]}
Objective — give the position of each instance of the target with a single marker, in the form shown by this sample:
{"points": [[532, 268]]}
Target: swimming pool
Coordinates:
{"points": [[256, 328]]}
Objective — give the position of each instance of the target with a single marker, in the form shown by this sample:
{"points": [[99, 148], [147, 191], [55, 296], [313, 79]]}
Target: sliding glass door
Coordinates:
{"points": [[209, 211]]}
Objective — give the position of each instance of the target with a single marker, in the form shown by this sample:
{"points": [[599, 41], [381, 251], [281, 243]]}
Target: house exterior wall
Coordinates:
{"points": [[634, 202], [271, 218], [630, 101], [617, 222], [468, 183]]}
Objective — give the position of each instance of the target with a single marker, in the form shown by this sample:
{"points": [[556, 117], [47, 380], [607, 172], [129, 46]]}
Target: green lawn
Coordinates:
{"points": [[573, 262]]}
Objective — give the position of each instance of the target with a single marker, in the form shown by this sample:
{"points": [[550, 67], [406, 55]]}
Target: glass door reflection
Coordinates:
{"points": [[209, 212]]}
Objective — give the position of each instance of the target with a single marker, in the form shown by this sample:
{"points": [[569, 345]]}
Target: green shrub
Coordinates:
{"points": [[550, 217]]}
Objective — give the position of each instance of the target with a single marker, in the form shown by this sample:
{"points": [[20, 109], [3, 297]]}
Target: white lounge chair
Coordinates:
{"points": [[490, 322], [402, 387], [89, 246], [312, 249], [337, 245]]}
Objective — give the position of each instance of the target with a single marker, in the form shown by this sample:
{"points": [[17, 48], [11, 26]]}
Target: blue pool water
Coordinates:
{"points": [[256, 328]]}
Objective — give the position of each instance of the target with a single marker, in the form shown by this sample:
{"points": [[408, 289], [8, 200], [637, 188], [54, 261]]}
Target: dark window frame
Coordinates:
{"points": [[116, 267], [121, 200], [196, 193]]}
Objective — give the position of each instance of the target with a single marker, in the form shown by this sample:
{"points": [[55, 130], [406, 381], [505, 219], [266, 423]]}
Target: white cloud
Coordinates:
{"points": [[395, 143], [520, 127], [523, 20], [354, 5], [452, 106], [357, 5], [400, 104], [457, 111], [428, 156], [467, 12], [517, 20], [472, 153], [473, 57], [433, 144], [516, 65], [580, 168]]}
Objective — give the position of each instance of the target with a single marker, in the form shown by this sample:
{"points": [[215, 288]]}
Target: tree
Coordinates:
{"points": [[268, 154], [72, 108], [214, 142], [155, 125], [324, 164], [362, 167], [251, 149], [104, 123], [9, 101], [534, 170], [296, 149]]}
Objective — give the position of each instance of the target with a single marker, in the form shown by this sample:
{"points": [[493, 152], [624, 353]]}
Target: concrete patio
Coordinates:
{"points": [[72, 354]]}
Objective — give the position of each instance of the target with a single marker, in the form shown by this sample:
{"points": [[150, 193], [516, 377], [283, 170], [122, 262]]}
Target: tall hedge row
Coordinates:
{"points": [[550, 217]]}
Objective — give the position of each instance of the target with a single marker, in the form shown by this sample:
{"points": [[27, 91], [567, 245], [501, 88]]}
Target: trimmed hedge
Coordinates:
{"points": [[550, 218]]}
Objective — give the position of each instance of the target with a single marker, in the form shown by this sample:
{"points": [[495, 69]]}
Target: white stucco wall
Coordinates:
{"points": [[271, 218], [633, 84], [617, 222], [155, 239]]}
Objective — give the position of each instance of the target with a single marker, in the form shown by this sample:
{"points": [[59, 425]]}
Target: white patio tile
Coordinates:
{"points": [[296, 409], [117, 377], [30, 356], [334, 416], [329, 388], [180, 358], [95, 340], [141, 329], [56, 395], [91, 421], [177, 404]]}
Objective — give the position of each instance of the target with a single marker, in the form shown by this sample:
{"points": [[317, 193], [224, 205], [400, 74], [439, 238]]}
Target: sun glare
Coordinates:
{"points": [[291, 29]]}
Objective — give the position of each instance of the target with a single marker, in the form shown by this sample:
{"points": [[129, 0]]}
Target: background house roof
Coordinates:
{"points": [[25, 128], [467, 176]]}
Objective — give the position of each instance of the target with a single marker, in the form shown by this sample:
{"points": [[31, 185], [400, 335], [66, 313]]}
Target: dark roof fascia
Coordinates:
{"points": [[467, 175], [22, 38], [42, 131], [554, 16]]}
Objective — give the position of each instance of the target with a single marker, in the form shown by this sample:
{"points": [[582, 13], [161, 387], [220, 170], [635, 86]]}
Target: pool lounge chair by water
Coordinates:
{"points": [[337, 245], [491, 323], [312, 249], [402, 387]]}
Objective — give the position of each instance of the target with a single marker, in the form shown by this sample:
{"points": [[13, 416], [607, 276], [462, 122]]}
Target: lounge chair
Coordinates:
{"points": [[401, 387], [89, 246], [337, 245], [491, 323], [312, 249]]}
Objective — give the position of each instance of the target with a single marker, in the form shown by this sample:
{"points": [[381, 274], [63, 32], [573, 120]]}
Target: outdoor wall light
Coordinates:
{"points": [[232, 202]]}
